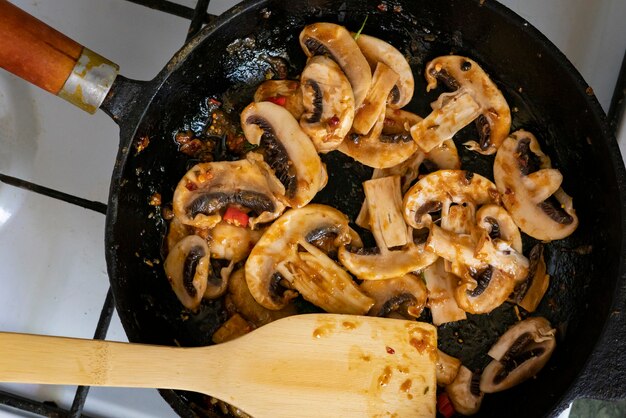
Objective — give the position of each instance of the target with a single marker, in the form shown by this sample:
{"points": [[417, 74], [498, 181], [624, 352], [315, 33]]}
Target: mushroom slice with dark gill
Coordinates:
{"points": [[286, 93], [286, 261], [497, 224], [396, 254], [388, 144], [239, 300], [529, 293], [376, 50], [531, 189], [484, 283], [404, 296], [519, 354], [287, 149], [462, 73], [209, 188], [328, 103], [336, 42], [465, 392], [375, 102], [439, 190], [451, 113], [187, 268], [419, 163]]}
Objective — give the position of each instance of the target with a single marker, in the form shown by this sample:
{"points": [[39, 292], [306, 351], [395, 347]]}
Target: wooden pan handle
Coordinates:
{"points": [[46, 58]]}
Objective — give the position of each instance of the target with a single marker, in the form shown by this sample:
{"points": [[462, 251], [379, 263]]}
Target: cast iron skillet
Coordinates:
{"points": [[585, 301]]}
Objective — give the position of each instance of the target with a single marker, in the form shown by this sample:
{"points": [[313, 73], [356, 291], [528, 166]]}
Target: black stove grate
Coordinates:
{"points": [[198, 17]]}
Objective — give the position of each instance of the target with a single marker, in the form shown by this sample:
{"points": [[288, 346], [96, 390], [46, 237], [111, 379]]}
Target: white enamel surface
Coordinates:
{"points": [[52, 270]]}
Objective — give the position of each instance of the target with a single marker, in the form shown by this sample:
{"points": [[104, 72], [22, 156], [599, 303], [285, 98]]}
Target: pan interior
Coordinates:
{"points": [[546, 96]]}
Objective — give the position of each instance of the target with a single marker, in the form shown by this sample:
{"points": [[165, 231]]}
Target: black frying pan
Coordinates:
{"points": [[586, 299]]}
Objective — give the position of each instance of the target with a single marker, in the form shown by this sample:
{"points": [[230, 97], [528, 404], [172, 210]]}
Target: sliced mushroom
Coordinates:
{"points": [[176, 230], [441, 299], [208, 188], [438, 190], [376, 50], [384, 200], [397, 254], [388, 143], [217, 280], [187, 268], [277, 261], [318, 278], [465, 392], [529, 293], [485, 282], [383, 81], [335, 41], [462, 248], [404, 295], [531, 189], [279, 91], [378, 265], [231, 242], [328, 103], [447, 368], [451, 113], [462, 73], [287, 149], [442, 157], [498, 224], [243, 302], [519, 354]]}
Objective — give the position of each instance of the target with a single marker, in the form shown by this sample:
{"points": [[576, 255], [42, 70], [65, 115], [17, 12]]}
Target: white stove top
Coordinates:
{"points": [[52, 263]]}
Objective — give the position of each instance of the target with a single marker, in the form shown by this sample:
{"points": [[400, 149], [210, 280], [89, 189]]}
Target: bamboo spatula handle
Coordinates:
{"points": [[57, 360]]}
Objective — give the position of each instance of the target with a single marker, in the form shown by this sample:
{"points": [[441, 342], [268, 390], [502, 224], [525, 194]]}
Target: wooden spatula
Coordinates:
{"points": [[318, 366]]}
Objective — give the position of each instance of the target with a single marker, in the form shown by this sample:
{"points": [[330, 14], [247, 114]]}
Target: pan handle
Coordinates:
{"points": [[48, 59]]}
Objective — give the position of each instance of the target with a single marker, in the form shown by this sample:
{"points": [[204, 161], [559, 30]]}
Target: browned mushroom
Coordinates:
{"points": [[451, 113], [376, 50], [447, 368], [519, 354], [441, 299], [465, 393], [531, 189], [388, 144], [396, 254], [375, 102], [328, 103], [286, 261], [439, 190], [462, 73], [243, 302], [404, 296], [287, 150], [208, 188], [529, 293], [187, 268], [335, 41]]}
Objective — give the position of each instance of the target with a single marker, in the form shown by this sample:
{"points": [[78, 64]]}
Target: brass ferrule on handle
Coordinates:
{"points": [[46, 58]]}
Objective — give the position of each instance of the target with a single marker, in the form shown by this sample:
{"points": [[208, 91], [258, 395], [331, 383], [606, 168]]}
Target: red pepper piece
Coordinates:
{"points": [[444, 406], [279, 100], [236, 217]]}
